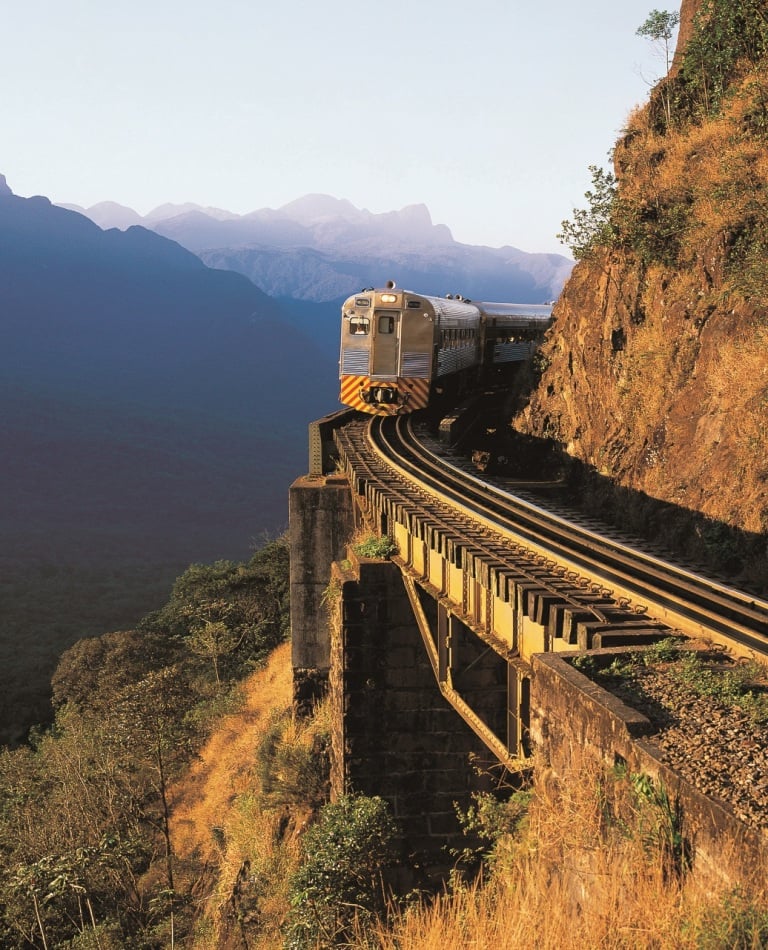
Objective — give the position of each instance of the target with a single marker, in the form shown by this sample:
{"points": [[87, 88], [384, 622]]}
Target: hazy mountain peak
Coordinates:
{"points": [[165, 211], [110, 214], [4, 189], [315, 207], [319, 248], [417, 214]]}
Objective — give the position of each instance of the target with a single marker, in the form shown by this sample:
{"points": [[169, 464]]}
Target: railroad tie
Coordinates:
{"points": [[562, 614], [587, 630], [641, 637]]}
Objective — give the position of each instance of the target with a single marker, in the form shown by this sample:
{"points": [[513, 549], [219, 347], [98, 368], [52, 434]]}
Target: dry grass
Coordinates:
{"points": [[592, 866], [222, 769], [584, 874], [244, 847], [715, 171]]}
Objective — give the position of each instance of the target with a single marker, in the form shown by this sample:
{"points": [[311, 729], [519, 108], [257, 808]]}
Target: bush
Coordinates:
{"points": [[727, 37], [292, 760], [735, 922], [342, 883], [374, 547], [592, 227]]}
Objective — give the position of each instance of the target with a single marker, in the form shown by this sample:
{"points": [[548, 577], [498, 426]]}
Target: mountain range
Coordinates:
{"points": [[336, 245], [312, 253], [133, 324], [154, 413]]}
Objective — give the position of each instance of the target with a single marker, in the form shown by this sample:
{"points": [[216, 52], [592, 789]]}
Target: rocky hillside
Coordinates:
{"points": [[656, 371]]}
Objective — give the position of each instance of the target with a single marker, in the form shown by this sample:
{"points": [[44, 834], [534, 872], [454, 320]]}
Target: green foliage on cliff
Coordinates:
{"points": [[341, 883], [729, 40], [688, 166], [375, 547], [592, 227], [231, 614]]}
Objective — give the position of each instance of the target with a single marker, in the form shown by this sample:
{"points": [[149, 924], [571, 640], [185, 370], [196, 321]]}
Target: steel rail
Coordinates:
{"points": [[401, 489], [694, 603]]}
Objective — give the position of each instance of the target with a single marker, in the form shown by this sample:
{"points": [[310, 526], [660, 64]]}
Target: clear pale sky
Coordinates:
{"points": [[489, 112]]}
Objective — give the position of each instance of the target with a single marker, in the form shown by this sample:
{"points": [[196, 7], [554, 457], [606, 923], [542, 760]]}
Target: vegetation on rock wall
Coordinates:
{"points": [[656, 383], [341, 884], [600, 861]]}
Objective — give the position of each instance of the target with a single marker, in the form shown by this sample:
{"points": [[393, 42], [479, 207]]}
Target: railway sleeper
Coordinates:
{"points": [[527, 593], [574, 605], [543, 607], [636, 638], [508, 580], [503, 579], [586, 632], [552, 609], [609, 614], [442, 542]]}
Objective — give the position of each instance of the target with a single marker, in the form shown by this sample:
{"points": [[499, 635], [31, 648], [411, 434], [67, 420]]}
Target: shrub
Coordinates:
{"points": [[342, 883], [592, 227], [727, 36], [734, 922], [292, 760], [374, 547]]}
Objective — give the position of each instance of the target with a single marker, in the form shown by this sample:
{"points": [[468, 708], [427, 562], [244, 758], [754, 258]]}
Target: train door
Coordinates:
{"points": [[386, 348]]}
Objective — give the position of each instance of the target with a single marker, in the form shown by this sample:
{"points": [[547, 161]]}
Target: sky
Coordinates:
{"points": [[490, 112]]}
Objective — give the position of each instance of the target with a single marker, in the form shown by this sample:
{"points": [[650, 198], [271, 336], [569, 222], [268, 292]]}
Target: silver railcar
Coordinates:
{"points": [[398, 347]]}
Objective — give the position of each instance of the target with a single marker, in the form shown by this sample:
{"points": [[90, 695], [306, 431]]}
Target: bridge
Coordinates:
{"points": [[444, 663]]}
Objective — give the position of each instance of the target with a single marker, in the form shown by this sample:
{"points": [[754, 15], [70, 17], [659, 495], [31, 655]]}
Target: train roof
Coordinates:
{"points": [[540, 310], [454, 305]]}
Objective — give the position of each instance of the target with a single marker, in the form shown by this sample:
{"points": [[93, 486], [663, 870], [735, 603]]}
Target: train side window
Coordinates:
{"points": [[386, 324], [359, 326]]}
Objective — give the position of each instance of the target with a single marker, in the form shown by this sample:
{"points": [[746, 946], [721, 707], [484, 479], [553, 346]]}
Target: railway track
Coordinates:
{"points": [[584, 578]]}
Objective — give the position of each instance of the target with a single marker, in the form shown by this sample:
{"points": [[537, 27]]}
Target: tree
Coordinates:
{"points": [[214, 639], [72, 838], [592, 227], [659, 27], [94, 669], [343, 878], [727, 39], [250, 599]]}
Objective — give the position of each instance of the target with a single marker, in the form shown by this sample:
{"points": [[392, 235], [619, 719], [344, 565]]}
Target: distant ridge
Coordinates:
{"points": [[172, 379], [335, 248]]}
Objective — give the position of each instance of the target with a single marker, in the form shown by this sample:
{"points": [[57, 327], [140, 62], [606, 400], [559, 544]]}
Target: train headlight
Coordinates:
{"points": [[388, 298]]}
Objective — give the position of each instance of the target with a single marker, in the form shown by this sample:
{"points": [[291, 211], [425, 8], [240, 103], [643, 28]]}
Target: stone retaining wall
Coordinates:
{"points": [[573, 719]]}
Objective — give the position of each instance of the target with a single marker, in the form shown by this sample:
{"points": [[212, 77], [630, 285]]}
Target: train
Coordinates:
{"points": [[401, 350]]}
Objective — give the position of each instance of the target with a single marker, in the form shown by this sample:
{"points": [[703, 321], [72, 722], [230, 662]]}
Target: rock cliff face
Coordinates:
{"points": [[657, 365]]}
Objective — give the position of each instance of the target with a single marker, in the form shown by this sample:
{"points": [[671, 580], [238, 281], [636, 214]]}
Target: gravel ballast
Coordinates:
{"points": [[719, 747]]}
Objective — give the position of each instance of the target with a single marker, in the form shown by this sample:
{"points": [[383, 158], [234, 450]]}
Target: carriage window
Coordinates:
{"points": [[359, 326], [386, 324]]}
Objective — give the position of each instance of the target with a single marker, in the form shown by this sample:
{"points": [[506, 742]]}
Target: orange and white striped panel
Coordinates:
{"points": [[350, 392], [417, 391]]}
